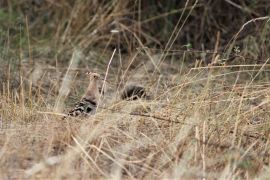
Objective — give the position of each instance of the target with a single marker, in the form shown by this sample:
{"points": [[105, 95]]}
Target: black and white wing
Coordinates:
{"points": [[83, 107]]}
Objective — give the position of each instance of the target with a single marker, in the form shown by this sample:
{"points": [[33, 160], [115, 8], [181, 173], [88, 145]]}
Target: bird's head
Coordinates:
{"points": [[93, 76]]}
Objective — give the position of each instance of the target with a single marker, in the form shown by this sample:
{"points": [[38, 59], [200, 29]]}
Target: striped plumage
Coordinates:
{"points": [[133, 92], [83, 107], [88, 104]]}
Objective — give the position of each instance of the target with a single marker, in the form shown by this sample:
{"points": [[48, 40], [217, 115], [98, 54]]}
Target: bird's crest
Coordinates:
{"points": [[92, 74]]}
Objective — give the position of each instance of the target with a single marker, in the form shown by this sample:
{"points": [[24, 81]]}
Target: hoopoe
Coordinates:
{"points": [[89, 101], [133, 92]]}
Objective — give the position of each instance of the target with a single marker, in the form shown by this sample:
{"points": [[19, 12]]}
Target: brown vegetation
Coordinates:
{"points": [[203, 63]]}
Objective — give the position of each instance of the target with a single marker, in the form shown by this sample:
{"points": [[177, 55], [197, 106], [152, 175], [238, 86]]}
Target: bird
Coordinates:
{"points": [[133, 92], [89, 101]]}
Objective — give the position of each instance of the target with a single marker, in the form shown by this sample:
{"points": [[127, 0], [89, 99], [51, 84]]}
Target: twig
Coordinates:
{"points": [[108, 67], [148, 116], [51, 113], [250, 135], [243, 26]]}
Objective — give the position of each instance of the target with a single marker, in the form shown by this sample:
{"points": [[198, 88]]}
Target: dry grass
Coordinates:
{"points": [[208, 112], [203, 122]]}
